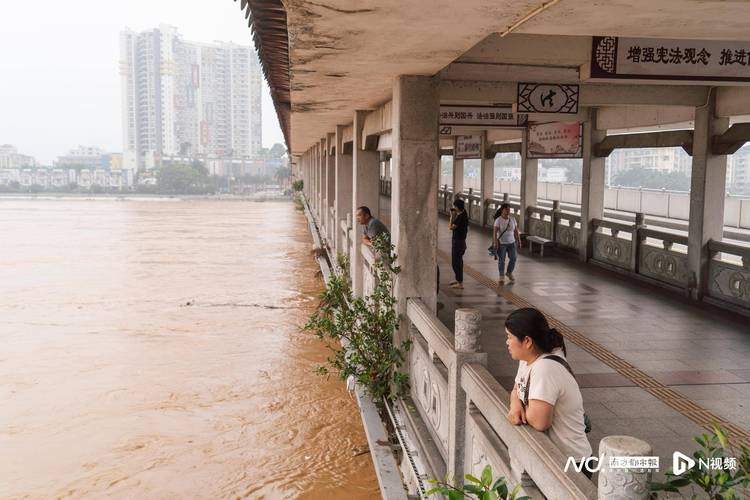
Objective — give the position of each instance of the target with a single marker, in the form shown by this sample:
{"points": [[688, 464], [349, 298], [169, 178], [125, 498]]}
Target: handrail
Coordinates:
{"points": [[662, 235], [627, 228], [718, 246], [541, 211], [438, 336], [368, 255], [546, 469]]}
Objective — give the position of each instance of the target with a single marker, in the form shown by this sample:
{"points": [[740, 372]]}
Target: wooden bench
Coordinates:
{"points": [[542, 242]]}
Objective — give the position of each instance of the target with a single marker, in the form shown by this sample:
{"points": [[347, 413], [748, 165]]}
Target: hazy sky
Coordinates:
{"points": [[59, 67]]}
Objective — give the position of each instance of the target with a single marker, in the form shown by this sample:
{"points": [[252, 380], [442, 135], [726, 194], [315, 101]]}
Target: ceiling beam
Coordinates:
{"points": [[591, 95], [672, 138]]}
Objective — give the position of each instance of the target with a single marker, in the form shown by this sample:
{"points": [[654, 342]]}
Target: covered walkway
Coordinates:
{"points": [[650, 364]]}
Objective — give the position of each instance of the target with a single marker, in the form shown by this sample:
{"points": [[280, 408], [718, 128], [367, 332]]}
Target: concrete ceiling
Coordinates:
{"points": [[344, 54]]}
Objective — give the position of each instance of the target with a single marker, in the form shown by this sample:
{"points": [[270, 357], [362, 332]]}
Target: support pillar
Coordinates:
{"points": [[458, 175], [316, 166], [707, 193], [592, 186], [365, 192], [416, 167], [323, 183], [343, 188], [487, 185], [331, 188], [529, 180]]}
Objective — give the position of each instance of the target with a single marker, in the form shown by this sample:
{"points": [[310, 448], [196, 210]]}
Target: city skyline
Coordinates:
{"points": [[62, 84], [187, 98]]}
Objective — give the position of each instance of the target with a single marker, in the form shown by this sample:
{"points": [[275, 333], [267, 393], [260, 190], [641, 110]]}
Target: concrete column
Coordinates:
{"points": [[458, 176], [331, 188], [365, 191], [416, 167], [623, 484], [343, 186], [707, 193], [316, 173], [321, 146], [592, 186], [487, 180], [529, 180], [466, 342]]}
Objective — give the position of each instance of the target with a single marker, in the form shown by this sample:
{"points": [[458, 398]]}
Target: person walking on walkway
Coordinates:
{"points": [[504, 237], [373, 226], [545, 395], [459, 224]]}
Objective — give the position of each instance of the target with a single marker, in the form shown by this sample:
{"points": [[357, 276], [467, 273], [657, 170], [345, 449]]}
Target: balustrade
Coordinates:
{"points": [[729, 273]]}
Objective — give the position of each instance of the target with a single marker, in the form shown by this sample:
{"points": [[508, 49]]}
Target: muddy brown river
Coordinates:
{"points": [[152, 349]]}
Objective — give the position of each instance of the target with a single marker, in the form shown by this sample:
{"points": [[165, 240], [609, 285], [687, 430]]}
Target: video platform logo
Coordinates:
{"points": [[681, 463]]}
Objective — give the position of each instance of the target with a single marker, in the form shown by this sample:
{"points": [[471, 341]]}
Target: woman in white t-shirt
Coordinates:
{"points": [[545, 395], [504, 237]]}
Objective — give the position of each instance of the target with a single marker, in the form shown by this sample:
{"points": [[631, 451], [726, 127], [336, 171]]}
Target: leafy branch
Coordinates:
{"points": [[723, 483], [480, 488], [359, 331]]}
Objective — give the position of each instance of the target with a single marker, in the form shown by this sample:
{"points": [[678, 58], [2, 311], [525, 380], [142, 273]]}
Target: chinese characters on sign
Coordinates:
{"points": [[468, 147], [554, 140], [483, 116], [547, 98], [660, 59]]}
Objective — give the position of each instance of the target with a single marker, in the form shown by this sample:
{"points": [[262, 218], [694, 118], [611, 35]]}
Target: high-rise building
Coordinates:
{"points": [[187, 99]]}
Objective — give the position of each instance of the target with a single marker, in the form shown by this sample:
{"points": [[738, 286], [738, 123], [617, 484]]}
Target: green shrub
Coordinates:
{"points": [[360, 330]]}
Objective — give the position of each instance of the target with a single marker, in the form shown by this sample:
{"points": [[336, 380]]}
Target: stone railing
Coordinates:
{"points": [[540, 222], [660, 259], [464, 411], [567, 229], [331, 227], [445, 199], [369, 280], [345, 236], [729, 273], [473, 206], [613, 243], [385, 186]]}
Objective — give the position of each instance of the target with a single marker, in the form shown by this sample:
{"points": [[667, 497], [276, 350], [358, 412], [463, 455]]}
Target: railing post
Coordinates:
{"points": [[466, 342], [623, 484], [554, 218], [635, 250]]}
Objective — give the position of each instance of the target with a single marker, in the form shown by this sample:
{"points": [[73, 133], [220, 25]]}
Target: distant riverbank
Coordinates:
{"points": [[144, 197]]}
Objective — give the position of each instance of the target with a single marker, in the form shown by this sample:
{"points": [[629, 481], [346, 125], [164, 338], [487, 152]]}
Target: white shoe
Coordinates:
{"points": [[510, 277]]}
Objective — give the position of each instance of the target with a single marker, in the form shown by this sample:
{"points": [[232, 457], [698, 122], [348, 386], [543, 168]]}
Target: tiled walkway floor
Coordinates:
{"points": [[698, 351]]}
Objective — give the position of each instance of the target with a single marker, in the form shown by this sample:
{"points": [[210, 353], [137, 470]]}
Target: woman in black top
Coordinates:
{"points": [[459, 224]]}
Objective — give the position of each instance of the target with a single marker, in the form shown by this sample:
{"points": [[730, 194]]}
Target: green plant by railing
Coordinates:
{"points": [[360, 330], [298, 185], [298, 203], [719, 484], [481, 488]]}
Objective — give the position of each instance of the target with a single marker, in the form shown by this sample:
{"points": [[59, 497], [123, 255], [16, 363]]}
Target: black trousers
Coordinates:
{"points": [[457, 258]]}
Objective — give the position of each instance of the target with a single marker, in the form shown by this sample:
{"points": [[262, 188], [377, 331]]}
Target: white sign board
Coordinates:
{"points": [[480, 116], [662, 59], [468, 147], [555, 140], [547, 98]]}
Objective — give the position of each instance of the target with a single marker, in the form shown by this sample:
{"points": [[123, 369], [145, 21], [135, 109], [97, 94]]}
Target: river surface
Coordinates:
{"points": [[152, 349]]}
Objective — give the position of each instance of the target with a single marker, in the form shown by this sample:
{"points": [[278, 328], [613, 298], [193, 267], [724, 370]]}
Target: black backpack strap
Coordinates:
{"points": [[560, 360]]}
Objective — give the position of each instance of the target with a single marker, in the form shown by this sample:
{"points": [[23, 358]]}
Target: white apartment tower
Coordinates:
{"points": [[182, 98]]}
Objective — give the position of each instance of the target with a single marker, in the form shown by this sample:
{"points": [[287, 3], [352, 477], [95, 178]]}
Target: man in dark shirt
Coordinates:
{"points": [[373, 226], [459, 224]]}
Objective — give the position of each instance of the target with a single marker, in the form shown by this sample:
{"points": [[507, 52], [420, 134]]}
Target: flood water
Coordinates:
{"points": [[152, 349]]}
